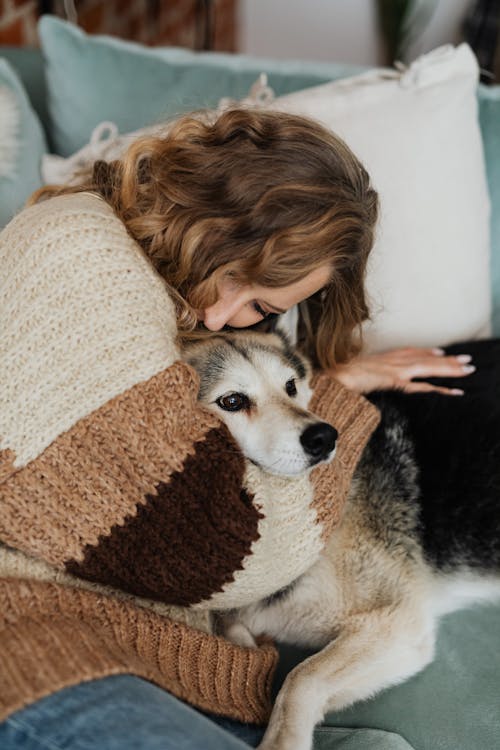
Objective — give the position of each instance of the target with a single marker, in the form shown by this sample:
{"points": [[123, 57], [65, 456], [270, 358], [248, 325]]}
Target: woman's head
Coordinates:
{"points": [[251, 201]]}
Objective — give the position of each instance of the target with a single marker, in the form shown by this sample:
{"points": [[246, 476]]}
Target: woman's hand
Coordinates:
{"points": [[397, 368]]}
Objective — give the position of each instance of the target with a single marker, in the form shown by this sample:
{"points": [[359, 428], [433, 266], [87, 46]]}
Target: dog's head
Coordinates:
{"points": [[258, 386]]}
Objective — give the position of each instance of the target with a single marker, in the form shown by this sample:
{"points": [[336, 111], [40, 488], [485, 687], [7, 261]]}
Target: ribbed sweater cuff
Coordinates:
{"points": [[352, 415], [355, 419], [54, 637]]}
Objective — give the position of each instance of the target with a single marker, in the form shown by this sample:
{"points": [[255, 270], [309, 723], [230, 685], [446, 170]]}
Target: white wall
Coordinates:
{"points": [[333, 30]]}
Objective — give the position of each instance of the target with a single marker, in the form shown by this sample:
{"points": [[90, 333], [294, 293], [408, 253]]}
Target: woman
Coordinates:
{"points": [[241, 218]]}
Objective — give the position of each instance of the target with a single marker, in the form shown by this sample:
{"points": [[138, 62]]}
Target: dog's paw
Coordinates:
{"points": [[237, 633]]}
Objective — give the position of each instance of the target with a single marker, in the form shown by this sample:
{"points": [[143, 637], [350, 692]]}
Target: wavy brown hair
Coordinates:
{"points": [[263, 197]]}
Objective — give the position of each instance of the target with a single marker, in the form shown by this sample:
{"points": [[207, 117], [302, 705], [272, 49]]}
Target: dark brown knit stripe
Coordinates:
{"points": [[187, 540], [54, 637]]}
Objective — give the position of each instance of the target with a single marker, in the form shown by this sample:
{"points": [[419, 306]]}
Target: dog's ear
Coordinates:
{"points": [[296, 359], [286, 326], [284, 338], [190, 358], [196, 353]]}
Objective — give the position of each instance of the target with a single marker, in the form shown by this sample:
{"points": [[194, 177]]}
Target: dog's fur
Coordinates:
{"points": [[419, 537]]}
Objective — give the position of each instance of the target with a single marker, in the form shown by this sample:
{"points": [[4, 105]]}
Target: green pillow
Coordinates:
{"points": [[96, 78], [489, 118], [28, 146]]}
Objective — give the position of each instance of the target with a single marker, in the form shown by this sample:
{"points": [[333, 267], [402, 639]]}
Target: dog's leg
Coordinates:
{"points": [[371, 652]]}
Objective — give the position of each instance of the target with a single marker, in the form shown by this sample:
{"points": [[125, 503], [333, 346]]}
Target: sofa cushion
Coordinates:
{"points": [[452, 704], [22, 144]]}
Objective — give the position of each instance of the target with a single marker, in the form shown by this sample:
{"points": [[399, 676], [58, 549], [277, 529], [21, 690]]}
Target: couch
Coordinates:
{"points": [[454, 704]]}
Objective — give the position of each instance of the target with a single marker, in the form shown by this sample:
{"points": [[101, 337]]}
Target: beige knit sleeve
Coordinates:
{"points": [[110, 469]]}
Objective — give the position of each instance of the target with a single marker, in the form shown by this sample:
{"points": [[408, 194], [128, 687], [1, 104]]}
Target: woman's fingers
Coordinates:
{"points": [[440, 367], [412, 387]]}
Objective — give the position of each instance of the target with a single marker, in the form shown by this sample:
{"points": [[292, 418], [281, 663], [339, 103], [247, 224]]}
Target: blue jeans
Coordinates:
{"points": [[121, 712]]}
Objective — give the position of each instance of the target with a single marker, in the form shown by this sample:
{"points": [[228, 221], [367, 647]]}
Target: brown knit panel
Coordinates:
{"points": [[355, 419], [53, 637], [7, 467], [95, 475], [188, 538]]}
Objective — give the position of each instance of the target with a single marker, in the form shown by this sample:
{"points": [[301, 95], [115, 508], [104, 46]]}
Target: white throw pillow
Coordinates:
{"points": [[416, 130]]}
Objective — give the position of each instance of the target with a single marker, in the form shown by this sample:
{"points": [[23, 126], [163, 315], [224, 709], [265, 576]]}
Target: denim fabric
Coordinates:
{"points": [[121, 712]]}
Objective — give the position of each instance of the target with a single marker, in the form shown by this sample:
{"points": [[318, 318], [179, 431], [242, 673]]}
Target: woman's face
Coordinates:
{"points": [[241, 306]]}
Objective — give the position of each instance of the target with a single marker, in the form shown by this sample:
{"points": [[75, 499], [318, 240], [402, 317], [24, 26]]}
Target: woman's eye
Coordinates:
{"points": [[265, 315], [260, 310], [233, 402], [290, 387]]}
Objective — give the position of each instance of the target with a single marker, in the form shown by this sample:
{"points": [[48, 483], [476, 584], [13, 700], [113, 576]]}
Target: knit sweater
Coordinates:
{"points": [[127, 512]]}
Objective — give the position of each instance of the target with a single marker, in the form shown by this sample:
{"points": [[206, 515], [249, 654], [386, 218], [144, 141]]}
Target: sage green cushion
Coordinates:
{"points": [[28, 64], [96, 78], [326, 738], [17, 186], [453, 704]]}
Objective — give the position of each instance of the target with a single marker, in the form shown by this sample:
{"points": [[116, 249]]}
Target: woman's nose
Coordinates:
{"points": [[217, 315], [234, 312]]}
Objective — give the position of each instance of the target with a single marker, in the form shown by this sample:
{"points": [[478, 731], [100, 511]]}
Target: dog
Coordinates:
{"points": [[419, 536]]}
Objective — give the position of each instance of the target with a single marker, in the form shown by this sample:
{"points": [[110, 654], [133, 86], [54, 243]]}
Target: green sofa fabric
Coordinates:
{"points": [[334, 738], [453, 704]]}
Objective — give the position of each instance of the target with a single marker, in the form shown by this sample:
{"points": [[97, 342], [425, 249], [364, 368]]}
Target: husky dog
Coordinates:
{"points": [[419, 536]]}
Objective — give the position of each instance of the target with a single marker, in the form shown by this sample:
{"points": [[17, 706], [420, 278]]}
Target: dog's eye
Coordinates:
{"points": [[233, 402], [290, 387]]}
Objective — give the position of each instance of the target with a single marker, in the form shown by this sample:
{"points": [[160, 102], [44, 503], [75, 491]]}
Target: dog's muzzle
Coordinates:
{"points": [[318, 441]]}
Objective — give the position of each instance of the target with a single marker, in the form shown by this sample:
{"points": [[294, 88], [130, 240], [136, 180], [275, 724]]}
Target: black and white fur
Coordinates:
{"points": [[419, 537]]}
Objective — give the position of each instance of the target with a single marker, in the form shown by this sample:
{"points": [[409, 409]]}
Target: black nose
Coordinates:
{"points": [[318, 440]]}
